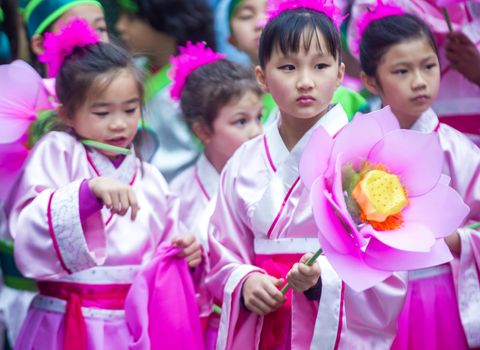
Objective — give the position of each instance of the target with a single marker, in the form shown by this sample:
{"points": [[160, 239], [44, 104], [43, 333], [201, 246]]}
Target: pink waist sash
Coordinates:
{"points": [[103, 296], [276, 324]]}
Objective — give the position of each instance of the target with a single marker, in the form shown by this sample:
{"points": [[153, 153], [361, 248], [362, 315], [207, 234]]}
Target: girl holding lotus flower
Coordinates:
{"points": [[262, 227], [400, 63]]}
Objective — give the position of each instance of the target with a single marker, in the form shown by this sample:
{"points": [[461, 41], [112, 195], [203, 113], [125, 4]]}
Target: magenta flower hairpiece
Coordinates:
{"points": [[58, 46], [378, 11], [191, 57], [327, 7]]}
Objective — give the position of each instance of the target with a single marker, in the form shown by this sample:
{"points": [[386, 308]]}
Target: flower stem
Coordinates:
{"points": [[447, 18], [308, 263], [474, 226], [106, 147]]}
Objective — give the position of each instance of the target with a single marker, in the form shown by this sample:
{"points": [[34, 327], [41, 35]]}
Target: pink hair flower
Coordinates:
{"points": [[327, 7], [375, 12], [380, 201], [58, 46], [191, 57]]}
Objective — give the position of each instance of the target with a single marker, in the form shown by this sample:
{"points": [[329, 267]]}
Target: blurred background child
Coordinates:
{"points": [[221, 102], [154, 29]]}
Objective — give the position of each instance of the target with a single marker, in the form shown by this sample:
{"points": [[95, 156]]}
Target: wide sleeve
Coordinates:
{"points": [[371, 316], [463, 161], [231, 260], [44, 219]]}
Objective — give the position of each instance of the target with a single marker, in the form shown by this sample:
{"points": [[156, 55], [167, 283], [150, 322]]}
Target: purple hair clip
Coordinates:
{"points": [[327, 7], [191, 57], [375, 12], [58, 46]]}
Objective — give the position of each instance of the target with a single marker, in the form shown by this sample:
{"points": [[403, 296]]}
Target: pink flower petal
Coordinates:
{"points": [[380, 256], [411, 236], [315, 157], [329, 225], [352, 268], [442, 210], [395, 151], [357, 138]]}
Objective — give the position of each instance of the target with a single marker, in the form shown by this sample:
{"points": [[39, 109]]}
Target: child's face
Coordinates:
{"points": [[245, 29], [91, 13], [236, 122], [110, 116], [302, 84], [137, 34], [408, 79]]}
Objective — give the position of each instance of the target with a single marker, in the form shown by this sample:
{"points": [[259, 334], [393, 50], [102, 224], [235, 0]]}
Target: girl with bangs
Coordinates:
{"points": [[262, 227]]}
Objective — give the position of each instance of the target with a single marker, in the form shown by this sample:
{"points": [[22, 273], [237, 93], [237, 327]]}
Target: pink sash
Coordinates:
{"points": [[276, 324], [109, 296]]}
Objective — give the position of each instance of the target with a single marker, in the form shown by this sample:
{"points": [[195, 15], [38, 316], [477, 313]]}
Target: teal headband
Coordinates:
{"points": [[40, 14], [232, 7], [128, 5]]}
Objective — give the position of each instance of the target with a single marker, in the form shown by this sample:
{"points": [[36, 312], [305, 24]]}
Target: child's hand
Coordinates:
{"points": [[302, 277], [454, 244], [192, 250], [261, 293], [115, 195], [463, 56]]}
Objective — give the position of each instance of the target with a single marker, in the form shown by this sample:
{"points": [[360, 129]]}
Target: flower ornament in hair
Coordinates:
{"points": [[375, 12], [191, 57], [58, 46], [327, 7]]}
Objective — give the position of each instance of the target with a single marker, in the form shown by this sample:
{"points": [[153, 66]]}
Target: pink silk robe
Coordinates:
{"points": [[51, 245], [263, 208], [462, 164]]}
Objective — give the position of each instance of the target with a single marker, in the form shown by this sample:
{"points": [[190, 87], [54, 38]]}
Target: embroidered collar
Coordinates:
{"points": [[104, 167]]}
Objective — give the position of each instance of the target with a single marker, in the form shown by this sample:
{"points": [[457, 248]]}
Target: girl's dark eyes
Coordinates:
{"points": [[131, 110], [322, 66], [431, 65], [240, 122], [400, 71], [287, 67], [101, 114]]}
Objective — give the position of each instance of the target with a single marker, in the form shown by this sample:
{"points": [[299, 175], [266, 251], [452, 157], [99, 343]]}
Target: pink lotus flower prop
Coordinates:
{"points": [[22, 96], [379, 198]]}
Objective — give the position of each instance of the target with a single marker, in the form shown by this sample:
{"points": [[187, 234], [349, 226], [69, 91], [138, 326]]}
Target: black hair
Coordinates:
{"points": [[285, 32], [185, 20], [210, 87], [10, 26], [383, 33], [80, 70]]}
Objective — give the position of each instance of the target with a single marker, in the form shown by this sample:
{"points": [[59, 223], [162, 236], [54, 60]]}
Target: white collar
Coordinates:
{"points": [[207, 175]]}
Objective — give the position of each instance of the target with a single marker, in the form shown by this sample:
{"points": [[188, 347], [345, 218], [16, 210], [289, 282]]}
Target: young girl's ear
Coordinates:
{"points": [[341, 74], [370, 83], [37, 44], [202, 131], [62, 115], [261, 79]]}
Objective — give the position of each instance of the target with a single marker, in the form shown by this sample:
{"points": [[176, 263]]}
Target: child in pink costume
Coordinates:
{"points": [[400, 63], [458, 100], [221, 103], [68, 214], [262, 226]]}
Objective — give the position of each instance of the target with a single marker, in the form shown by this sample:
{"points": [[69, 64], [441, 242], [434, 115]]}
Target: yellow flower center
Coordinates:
{"points": [[381, 198]]}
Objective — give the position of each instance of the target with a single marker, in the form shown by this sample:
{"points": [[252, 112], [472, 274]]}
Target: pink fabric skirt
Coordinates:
{"points": [[45, 330], [430, 318]]}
